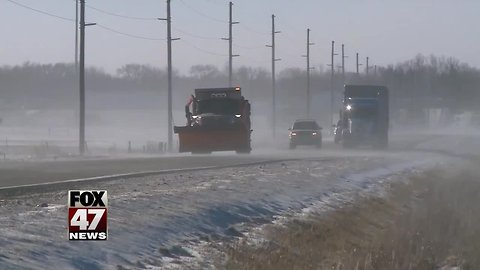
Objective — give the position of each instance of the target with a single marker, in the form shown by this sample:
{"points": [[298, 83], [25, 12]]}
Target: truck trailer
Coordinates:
{"points": [[364, 117], [219, 120]]}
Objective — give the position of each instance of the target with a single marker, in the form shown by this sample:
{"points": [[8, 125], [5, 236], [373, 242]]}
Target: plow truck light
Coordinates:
{"points": [[349, 107]]}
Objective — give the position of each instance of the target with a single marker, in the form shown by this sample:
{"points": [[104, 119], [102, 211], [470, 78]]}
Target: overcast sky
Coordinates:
{"points": [[388, 31]]}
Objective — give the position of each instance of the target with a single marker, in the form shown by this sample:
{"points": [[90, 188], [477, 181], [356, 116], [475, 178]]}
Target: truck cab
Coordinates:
{"points": [[218, 120], [364, 117]]}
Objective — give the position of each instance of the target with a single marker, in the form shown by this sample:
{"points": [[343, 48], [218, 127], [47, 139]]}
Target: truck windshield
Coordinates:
{"points": [[305, 125], [219, 106]]}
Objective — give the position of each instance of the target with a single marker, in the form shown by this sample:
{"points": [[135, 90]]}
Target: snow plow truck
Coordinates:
{"points": [[219, 120]]}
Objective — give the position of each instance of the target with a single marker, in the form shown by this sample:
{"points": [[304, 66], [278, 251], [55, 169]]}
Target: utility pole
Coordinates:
{"points": [[332, 83], [343, 62], [308, 70], [76, 76], [170, 94], [358, 66], [230, 45], [368, 67], [274, 124], [81, 144], [169, 76], [76, 37]]}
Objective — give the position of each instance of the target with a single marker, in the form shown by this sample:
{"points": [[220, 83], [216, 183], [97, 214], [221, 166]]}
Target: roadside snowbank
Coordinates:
{"points": [[165, 221]]}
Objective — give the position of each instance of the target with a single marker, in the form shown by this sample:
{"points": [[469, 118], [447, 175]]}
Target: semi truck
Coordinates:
{"points": [[364, 117], [218, 119]]}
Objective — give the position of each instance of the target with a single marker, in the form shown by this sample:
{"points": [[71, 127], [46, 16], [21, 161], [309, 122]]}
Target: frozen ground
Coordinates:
{"points": [[175, 220], [164, 221]]}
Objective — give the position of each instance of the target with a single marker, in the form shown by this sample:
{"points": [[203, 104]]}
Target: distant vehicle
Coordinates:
{"points": [[305, 132], [219, 121], [364, 118]]}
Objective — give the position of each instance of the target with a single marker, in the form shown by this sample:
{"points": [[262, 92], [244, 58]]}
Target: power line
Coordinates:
{"points": [[41, 11], [287, 36], [203, 50], [73, 20], [201, 13], [286, 54], [248, 47], [129, 35], [121, 16], [194, 35], [252, 59], [252, 30]]}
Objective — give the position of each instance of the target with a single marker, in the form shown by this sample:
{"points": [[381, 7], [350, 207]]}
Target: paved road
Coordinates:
{"points": [[26, 173], [18, 173]]}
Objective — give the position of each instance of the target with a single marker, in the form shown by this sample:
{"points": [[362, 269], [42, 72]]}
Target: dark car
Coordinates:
{"points": [[305, 132]]}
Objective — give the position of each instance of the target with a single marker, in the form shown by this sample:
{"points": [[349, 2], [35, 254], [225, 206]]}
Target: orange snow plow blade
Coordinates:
{"points": [[202, 140]]}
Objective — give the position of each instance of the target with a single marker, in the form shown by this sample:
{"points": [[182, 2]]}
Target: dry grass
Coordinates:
{"points": [[428, 223]]}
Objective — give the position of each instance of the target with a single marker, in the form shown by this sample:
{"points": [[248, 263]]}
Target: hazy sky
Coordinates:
{"points": [[386, 30]]}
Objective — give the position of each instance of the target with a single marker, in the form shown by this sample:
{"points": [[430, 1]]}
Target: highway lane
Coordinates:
{"points": [[19, 173], [15, 173], [152, 215]]}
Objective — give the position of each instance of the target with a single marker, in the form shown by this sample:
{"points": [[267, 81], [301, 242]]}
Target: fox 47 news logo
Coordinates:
{"points": [[87, 215]]}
